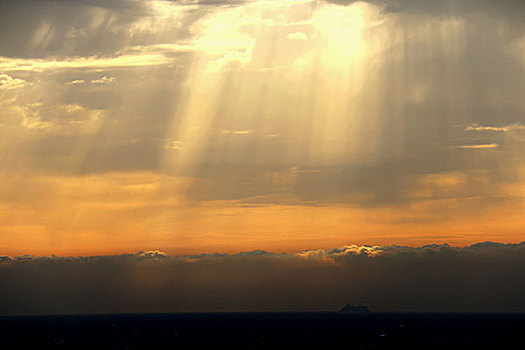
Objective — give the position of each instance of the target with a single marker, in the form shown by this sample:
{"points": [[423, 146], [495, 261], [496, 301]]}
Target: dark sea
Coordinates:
{"points": [[291, 330]]}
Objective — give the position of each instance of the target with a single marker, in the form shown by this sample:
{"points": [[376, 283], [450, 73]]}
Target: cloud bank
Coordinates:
{"points": [[482, 277]]}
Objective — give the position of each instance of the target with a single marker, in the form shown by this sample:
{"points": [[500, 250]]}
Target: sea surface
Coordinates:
{"points": [[290, 330]]}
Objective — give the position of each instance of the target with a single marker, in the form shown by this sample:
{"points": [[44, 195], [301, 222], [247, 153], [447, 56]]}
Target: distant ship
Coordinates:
{"points": [[359, 309]]}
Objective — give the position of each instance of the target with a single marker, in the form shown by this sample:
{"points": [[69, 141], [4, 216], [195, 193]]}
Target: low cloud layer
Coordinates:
{"points": [[481, 277]]}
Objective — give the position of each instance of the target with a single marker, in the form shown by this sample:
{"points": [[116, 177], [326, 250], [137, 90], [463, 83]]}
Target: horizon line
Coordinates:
{"points": [[156, 253]]}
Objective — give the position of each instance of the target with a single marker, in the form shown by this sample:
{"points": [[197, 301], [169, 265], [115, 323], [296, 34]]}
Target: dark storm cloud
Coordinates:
{"points": [[482, 277], [209, 2], [445, 7], [64, 28], [72, 28]]}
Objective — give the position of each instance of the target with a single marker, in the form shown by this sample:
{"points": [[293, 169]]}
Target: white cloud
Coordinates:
{"points": [[236, 132], [486, 128], [297, 36], [505, 128], [174, 146], [482, 146], [30, 117], [38, 65], [152, 254], [104, 80], [232, 60], [77, 82], [8, 83]]}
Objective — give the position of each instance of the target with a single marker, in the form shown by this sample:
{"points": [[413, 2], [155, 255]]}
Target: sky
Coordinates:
{"points": [[270, 155], [209, 126]]}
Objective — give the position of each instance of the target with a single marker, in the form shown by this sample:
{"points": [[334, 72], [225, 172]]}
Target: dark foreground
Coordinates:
{"points": [[266, 330]]}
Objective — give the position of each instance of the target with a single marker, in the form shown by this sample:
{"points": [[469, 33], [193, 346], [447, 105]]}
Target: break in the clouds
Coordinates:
{"points": [[394, 119], [481, 277]]}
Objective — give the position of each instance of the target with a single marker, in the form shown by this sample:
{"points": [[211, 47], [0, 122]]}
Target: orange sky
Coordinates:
{"points": [[122, 213]]}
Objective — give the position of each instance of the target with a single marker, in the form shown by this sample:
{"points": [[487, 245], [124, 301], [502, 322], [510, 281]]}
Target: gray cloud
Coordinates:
{"points": [[482, 277], [90, 28], [508, 8], [64, 28], [404, 139]]}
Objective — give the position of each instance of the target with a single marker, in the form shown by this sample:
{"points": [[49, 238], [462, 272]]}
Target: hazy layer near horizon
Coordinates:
{"points": [[485, 277]]}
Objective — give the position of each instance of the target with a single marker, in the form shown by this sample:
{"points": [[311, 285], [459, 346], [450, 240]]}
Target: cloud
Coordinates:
{"points": [[232, 60], [77, 82], [129, 40], [5, 258], [297, 36], [104, 80], [481, 146], [482, 277], [8, 82], [486, 128], [236, 132], [508, 8], [152, 254], [505, 128], [38, 65], [282, 105], [45, 29], [174, 145]]}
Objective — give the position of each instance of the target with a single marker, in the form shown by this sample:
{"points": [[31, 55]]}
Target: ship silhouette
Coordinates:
{"points": [[359, 309]]}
